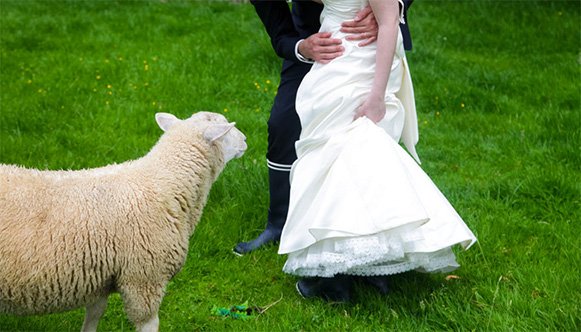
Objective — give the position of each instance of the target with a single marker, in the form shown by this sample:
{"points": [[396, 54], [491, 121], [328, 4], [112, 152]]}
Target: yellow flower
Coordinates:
{"points": [[225, 110], [120, 59], [95, 90], [267, 82], [134, 87], [144, 61], [265, 89], [108, 86], [80, 59], [106, 60], [63, 107], [257, 110], [146, 67], [154, 103], [146, 84], [98, 77], [258, 86], [39, 90], [462, 105], [436, 97], [275, 92], [29, 81], [255, 84], [159, 106], [155, 59], [425, 122], [560, 13], [107, 102], [437, 113], [110, 92]]}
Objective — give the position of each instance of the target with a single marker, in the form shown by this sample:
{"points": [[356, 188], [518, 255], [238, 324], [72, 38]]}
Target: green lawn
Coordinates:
{"points": [[498, 92]]}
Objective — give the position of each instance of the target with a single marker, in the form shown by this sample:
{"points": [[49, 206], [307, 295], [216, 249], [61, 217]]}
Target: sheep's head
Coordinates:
{"points": [[216, 130]]}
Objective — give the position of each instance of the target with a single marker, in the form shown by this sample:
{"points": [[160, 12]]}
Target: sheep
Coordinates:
{"points": [[68, 239]]}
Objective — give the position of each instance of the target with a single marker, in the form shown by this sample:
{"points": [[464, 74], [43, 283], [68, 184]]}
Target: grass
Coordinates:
{"points": [[498, 93]]}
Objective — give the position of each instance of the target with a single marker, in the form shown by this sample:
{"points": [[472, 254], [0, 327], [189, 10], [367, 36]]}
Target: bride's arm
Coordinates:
{"points": [[387, 16]]}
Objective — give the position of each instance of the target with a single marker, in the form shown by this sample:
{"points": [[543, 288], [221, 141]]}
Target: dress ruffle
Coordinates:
{"points": [[385, 253]]}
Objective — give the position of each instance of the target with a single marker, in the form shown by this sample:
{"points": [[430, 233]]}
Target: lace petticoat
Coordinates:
{"points": [[384, 253]]}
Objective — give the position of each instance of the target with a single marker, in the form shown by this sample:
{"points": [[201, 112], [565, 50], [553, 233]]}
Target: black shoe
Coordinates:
{"points": [[279, 187], [379, 282], [269, 236], [336, 289]]}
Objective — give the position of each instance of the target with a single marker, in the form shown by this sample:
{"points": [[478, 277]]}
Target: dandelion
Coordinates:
{"points": [[144, 61], [146, 84], [255, 84], [39, 90], [265, 89], [258, 86], [120, 59], [106, 60], [437, 113], [154, 103], [146, 67], [95, 90], [462, 105], [29, 81], [436, 97], [107, 102], [257, 110], [275, 92], [426, 122], [159, 106], [110, 92], [225, 110], [80, 59], [108, 86], [98, 77], [267, 82], [134, 87], [63, 107], [155, 59]]}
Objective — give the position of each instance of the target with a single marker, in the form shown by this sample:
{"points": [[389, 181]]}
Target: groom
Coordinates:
{"points": [[294, 36]]}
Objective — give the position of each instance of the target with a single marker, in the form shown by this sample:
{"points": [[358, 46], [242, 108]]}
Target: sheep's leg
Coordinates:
{"points": [[142, 305], [93, 314], [151, 326]]}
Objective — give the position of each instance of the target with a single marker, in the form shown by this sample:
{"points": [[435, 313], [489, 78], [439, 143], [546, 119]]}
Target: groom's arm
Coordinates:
{"points": [[277, 19], [286, 40]]}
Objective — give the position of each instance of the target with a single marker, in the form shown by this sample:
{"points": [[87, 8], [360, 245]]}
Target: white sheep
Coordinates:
{"points": [[68, 239]]}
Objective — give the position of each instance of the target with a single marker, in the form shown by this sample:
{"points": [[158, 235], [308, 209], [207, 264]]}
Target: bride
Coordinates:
{"points": [[359, 204]]}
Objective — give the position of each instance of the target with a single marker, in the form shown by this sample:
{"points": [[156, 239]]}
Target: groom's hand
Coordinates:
{"points": [[321, 47], [363, 27]]}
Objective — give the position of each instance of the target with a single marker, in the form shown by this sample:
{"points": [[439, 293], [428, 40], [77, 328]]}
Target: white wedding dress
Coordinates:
{"points": [[360, 205]]}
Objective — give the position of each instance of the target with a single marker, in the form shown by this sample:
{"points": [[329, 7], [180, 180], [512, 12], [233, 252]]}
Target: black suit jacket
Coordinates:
{"points": [[287, 26]]}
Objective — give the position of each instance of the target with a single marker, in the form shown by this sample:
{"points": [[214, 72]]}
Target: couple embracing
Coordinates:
{"points": [[346, 200]]}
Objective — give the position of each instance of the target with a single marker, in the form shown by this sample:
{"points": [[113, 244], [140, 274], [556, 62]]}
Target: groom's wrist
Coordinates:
{"points": [[300, 56]]}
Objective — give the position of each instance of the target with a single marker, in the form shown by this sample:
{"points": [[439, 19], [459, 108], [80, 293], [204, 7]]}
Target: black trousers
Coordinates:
{"points": [[284, 127]]}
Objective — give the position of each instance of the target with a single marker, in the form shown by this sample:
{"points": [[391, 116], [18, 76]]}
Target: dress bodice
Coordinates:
{"points": [[341, 10]]}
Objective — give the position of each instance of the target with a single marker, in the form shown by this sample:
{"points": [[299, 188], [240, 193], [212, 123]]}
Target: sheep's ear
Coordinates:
{"points": [[212, 133], [165, 120]]}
